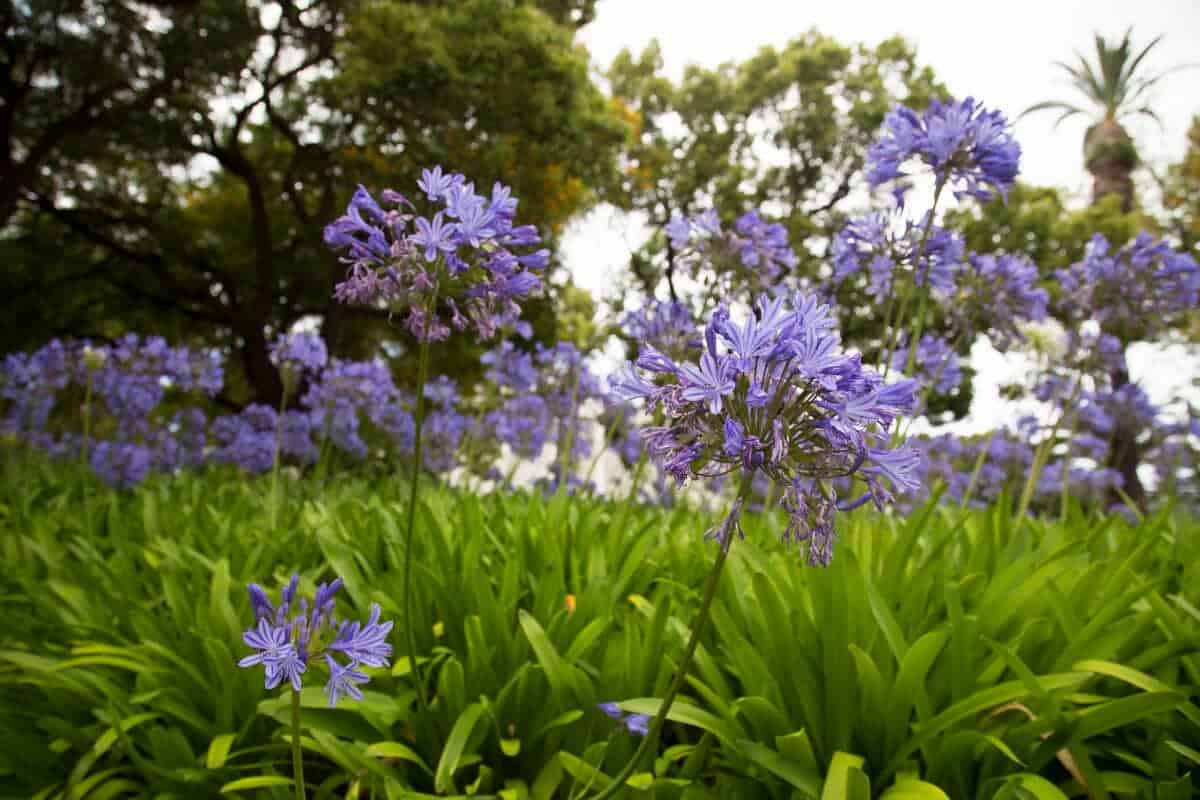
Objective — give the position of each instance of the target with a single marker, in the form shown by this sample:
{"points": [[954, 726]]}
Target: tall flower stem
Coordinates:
{"points": [[894, 335], [275, 499], [87, 418], [410, 528], [1042, 454], [87, 437], [710, 592], [297, 752]]}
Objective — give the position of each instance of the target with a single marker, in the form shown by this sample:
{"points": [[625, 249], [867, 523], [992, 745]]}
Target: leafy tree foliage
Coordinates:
{"points": [[1181, 193], [787, 130], [199, 208]]}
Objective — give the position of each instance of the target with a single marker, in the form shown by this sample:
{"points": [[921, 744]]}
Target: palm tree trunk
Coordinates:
{"points": [[1111, 158], [1124, 452]]}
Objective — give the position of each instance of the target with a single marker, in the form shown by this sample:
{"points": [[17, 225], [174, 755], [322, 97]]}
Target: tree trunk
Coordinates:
{"points": [[1124, 454], [1111, 157], [264, 380]]}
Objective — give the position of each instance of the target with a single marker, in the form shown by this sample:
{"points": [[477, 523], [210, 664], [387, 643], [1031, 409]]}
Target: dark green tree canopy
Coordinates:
{"points": [[197, 210]]}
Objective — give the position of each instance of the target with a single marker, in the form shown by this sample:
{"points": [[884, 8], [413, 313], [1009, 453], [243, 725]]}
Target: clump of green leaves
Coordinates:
{"points": [[958, 654]]}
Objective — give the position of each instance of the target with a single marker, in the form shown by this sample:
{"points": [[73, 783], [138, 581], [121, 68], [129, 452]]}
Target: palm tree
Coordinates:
{"points": [[1115, 90]]}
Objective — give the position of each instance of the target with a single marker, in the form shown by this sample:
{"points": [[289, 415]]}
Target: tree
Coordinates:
{"points": [[201, 211], [1114, 88], [786, 131], [1181, 193]]}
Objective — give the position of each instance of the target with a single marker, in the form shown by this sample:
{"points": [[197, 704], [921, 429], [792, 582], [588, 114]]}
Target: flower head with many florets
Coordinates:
{"points": [[886, 253], [289, 638], [464, 256], [753, 246], [774, 393], [971, 150], [1134, 291]]}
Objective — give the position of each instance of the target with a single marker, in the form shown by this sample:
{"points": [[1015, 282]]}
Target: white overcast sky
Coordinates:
{"points": [[1001, 53]]}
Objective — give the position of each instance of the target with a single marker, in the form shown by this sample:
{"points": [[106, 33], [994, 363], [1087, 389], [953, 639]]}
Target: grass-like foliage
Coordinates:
{"points": [[949, 654]]}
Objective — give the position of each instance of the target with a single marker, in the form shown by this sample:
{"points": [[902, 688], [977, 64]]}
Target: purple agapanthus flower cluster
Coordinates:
{"points": [[1135, 291], [136, 374], [349, 393], [299, 354], [752, 245], [997, 294], [289, 638], [970, 149], [248, 439], [464, 250], [666, 325], [884, 250], [121, 388], [637, 724], [542, 398], [30, 385], [444, 426], [935, 363], [775, 393], [992, 464]]}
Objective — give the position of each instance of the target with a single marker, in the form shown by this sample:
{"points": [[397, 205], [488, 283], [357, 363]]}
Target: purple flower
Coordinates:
{"points": [[436, 236], [289, 637], [756, 248], [708, 383], [482, 273], [475, 224], [935, 364], [969, 148], [998, 294], [302, 353], [343, 681], [275, 652], [870, 245], [637, 724], [775, 395], [1133, 292], [437, 185], [121, 464]]}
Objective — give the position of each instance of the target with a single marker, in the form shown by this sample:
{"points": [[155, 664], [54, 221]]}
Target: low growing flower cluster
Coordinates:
{"points": [[542, 398], [290, 638], [123, 389]]}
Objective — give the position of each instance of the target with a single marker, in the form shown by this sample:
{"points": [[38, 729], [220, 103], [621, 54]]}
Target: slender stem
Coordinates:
{"points": [[322, 464], [275, 499], [894, 338], [982, 457], [406, 579], [297, 753], [567, 437], [87, 436], [87, 418], [710, 592], [1042, 454]]}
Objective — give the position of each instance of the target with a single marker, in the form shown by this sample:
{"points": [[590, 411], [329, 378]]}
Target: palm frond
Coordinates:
{"points": [[1146, 111], [1112, 78], [1056, 105], [1136, 61]]}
